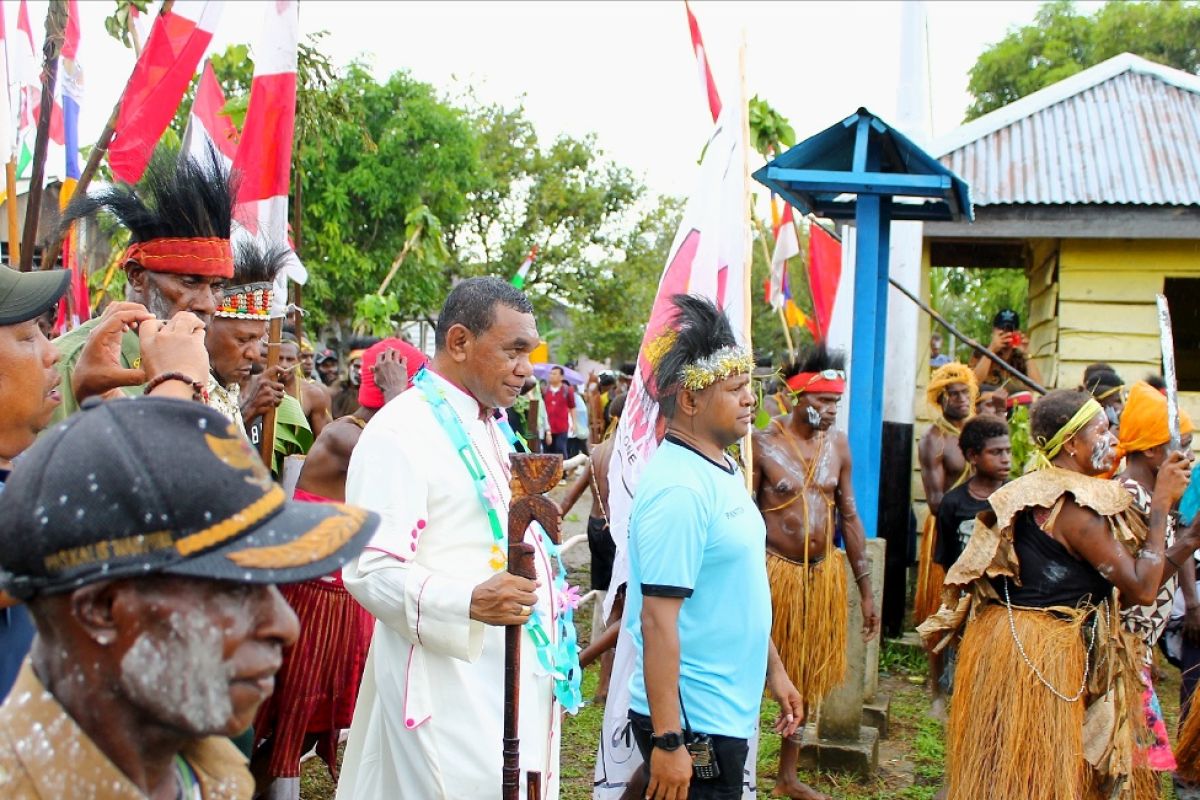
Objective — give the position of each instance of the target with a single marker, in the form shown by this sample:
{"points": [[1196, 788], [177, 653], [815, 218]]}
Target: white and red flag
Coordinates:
{"points": [[707, 257], [207, 126], [163, 72], [706, 76], [264, 155]]}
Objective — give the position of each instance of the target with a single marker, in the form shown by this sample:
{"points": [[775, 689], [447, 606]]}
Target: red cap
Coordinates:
{"points": [[370, 395]]}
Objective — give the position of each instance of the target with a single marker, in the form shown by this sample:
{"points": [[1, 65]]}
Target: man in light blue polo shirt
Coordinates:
{"points": [[699, 606]]}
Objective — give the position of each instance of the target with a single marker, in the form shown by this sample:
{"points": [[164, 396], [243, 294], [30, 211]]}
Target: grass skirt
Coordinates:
{"points": [[809, 621], [1187, 750], [1009, 737], [930, 574]]}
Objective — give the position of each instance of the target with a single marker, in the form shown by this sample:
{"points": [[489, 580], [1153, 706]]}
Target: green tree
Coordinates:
{"points": [[403, 148], [611, 310], [565, 197], [969, 299], [1061, 42]]}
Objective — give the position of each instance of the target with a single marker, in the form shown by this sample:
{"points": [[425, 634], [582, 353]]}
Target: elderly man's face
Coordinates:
{"points": [[233, 347], [164, 295], [28, 385], [199, 655]]}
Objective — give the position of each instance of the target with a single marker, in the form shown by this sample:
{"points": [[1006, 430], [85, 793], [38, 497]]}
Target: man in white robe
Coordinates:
{"points": [[429, 718]]}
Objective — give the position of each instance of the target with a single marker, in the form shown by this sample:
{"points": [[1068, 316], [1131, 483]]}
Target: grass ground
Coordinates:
{"points": [[911, 759]]}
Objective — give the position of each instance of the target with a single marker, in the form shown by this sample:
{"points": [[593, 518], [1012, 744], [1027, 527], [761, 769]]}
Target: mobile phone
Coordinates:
{"points": [[704, 759]]}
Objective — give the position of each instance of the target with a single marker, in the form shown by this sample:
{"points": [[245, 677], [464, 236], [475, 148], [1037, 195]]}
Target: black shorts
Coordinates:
{"points": [[604, 552], [730, 754]]}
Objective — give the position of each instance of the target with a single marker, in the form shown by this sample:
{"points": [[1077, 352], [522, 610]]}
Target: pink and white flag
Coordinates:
{"points": [[264, 155], [707, 257]]}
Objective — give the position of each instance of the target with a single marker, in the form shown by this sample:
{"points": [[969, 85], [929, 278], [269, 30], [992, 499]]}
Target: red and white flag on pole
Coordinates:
{"points": [[786, 246], [706, 77], [207, 126], [264, 155], [163, 72]]}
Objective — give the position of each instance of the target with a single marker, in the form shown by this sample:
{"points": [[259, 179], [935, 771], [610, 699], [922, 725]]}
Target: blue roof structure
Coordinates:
{"points": [[862, 154], [863, 169]]}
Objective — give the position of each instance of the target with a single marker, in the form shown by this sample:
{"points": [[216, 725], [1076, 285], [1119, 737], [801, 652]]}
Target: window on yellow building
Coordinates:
{"points": [[1185, 322]]}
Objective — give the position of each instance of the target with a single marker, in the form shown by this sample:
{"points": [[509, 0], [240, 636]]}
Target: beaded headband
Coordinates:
{"points": [[250, 301]]}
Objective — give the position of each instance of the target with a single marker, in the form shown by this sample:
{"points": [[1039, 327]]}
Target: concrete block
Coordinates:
{"points": [[876, 712], [858, 756]]}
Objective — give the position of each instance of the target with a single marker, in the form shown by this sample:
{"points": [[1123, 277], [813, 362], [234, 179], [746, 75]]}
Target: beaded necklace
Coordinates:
{"points": [[560, 658]]}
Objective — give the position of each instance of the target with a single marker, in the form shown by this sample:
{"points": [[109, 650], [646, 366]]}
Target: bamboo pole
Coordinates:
{"points": [[56, 23], [97, 154], [748, 248], [297, 238], [14, 236], [267, 445]]}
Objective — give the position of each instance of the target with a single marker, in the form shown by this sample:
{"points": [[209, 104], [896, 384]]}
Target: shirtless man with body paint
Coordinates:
{"points": [[802, 486]]}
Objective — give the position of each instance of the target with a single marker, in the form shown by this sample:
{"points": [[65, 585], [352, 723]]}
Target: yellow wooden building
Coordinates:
{"points": [[1092, 186]]}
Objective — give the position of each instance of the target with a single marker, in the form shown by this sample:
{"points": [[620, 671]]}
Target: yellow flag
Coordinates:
{"points": [[794, 316]]}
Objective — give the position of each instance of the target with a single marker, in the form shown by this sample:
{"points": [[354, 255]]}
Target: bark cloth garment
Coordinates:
{"points": [[317, 686], [1010, 735]]}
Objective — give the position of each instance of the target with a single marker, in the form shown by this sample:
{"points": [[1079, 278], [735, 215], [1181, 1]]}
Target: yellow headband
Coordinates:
{"points": [[727, 361], [1048, 449]]}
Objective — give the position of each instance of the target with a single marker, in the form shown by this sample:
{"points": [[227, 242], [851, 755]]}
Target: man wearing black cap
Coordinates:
{"points": [[327, 368], [145, 538], [1009, 344]]}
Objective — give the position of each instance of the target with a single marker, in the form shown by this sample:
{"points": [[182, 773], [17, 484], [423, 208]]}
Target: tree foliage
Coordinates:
{"points": [[1061, 42], [969, 298]]}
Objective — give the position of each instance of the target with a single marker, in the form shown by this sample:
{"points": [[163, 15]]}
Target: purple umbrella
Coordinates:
{"points": [[542, 372]]}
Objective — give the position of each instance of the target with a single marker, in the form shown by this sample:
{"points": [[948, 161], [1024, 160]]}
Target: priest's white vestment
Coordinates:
{"points": [[429, 718]]}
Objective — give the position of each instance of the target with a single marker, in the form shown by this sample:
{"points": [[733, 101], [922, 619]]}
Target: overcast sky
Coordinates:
{"points": [[623, 70]]}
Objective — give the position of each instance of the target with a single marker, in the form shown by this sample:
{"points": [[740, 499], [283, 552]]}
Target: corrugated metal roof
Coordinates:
{"points": [[1125, 131]]}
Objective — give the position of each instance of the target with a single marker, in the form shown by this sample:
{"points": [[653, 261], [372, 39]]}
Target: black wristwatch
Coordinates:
{"points": [[671, 740]]}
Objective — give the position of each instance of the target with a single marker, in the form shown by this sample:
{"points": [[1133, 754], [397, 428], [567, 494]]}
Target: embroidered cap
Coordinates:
{"points": [[152, 485]]}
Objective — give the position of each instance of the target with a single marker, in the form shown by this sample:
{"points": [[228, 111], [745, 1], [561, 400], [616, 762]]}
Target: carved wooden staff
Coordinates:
{"points": [[533, 474]]}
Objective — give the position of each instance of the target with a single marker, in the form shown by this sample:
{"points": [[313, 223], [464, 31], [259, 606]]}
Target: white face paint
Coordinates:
{"points": [[180, 676], [814, 417], [1102, 454]]}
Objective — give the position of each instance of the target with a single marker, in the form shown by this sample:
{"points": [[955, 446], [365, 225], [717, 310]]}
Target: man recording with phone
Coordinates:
{"points": [[1010, 345]]}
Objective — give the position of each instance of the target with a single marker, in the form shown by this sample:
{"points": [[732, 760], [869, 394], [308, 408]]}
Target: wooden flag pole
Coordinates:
{"points": [[266, 448], [96, 155], [14, 236], [747, 449], [56, 24]]}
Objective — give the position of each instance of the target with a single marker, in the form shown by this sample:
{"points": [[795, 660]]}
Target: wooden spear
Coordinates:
{"points": [[532, 476], [56, 24], [50, 254]]}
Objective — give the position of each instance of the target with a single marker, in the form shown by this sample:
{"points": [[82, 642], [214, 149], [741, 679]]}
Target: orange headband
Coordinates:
{"points": [[209, 256], [831, 381]]}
